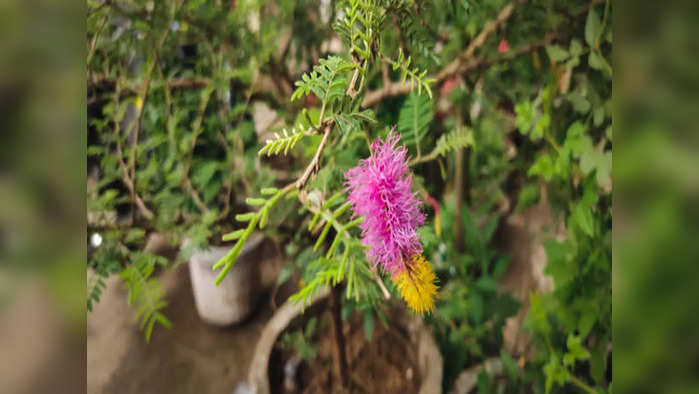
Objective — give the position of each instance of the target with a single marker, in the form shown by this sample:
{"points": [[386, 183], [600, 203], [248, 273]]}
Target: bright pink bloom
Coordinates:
{"points": [[379, 190], [503, 47]]}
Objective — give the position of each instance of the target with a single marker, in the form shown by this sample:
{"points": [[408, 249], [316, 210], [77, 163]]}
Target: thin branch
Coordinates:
{"points": [[186, 182], [139, 120], [124, 169], [453, 67], [466, 62], [379, 282], [398, 88], [313, 165], [93, 42]]}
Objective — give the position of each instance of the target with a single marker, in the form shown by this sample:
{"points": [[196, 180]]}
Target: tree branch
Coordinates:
{"points": [[126, 179], [453, 68]]}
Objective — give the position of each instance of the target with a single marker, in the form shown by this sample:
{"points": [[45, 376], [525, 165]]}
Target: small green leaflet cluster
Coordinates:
{"points": [[330, 272], [594, 37], [282, 142], [417, 79], [420, 42], [95, 288], [360, 25], [460, 138], [331, 221], [300, 340], [253, 218], [332, 268], [145, 293], [327, 80]]}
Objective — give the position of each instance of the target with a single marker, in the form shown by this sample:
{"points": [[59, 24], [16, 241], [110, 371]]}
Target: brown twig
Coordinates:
{"points": [[379, 282], [126, 179], [313, 165], [139, 120], [136, 133], [186, 182]]}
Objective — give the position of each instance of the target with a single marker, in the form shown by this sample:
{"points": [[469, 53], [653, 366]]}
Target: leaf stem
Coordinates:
{"points": [[582, 385]]}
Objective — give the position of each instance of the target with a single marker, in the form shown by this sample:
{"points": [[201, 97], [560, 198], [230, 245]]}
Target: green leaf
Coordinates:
{"points": [[598, 362], [597, 62], [598, 116], [414, 118], [559, 266], [555, 373], [255, 201], [509, 365], [542, 166], [557, 53], [285, 274], [583, 217], [579, 102], [311, 327], [576, 48], [456, 139], [573, 62], [593, 28], [525, 113], [486, 284], [575, 351], [203, 173], [368, 325], [245, 217], [541, 126], [233, 235], [134, 235], [528, 196], [539, 314]]}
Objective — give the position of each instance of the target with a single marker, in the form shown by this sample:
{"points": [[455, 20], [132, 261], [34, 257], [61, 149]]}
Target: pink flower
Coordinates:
{"points": [[503, 47], [379, 190]]}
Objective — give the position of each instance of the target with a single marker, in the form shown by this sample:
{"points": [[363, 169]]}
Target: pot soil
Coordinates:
{"points": [[402, 358]]}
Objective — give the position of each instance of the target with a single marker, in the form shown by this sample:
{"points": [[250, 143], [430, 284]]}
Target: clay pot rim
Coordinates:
{"points": [[430, 361]]}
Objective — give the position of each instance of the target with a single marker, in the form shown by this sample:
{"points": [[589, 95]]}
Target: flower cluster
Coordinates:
{"points": [[416, 285], [380, 190]]}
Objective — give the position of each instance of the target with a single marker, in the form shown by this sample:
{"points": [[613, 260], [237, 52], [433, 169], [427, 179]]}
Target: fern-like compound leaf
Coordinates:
{"points": [[460, 138], [327, 80], [145, 293], [417, 79], [414, 118], [283, 142], [253, 219]]}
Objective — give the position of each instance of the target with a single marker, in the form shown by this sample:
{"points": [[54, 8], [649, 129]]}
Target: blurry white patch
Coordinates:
{"points": [[325, 11], [96, 240]]}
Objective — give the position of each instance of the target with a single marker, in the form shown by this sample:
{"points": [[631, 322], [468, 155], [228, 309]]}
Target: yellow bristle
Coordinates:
{"points": [[416, 284]]}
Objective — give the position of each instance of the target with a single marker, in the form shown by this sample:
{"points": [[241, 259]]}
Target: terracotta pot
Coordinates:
{"points": [[429, 358], [237, 295]]}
